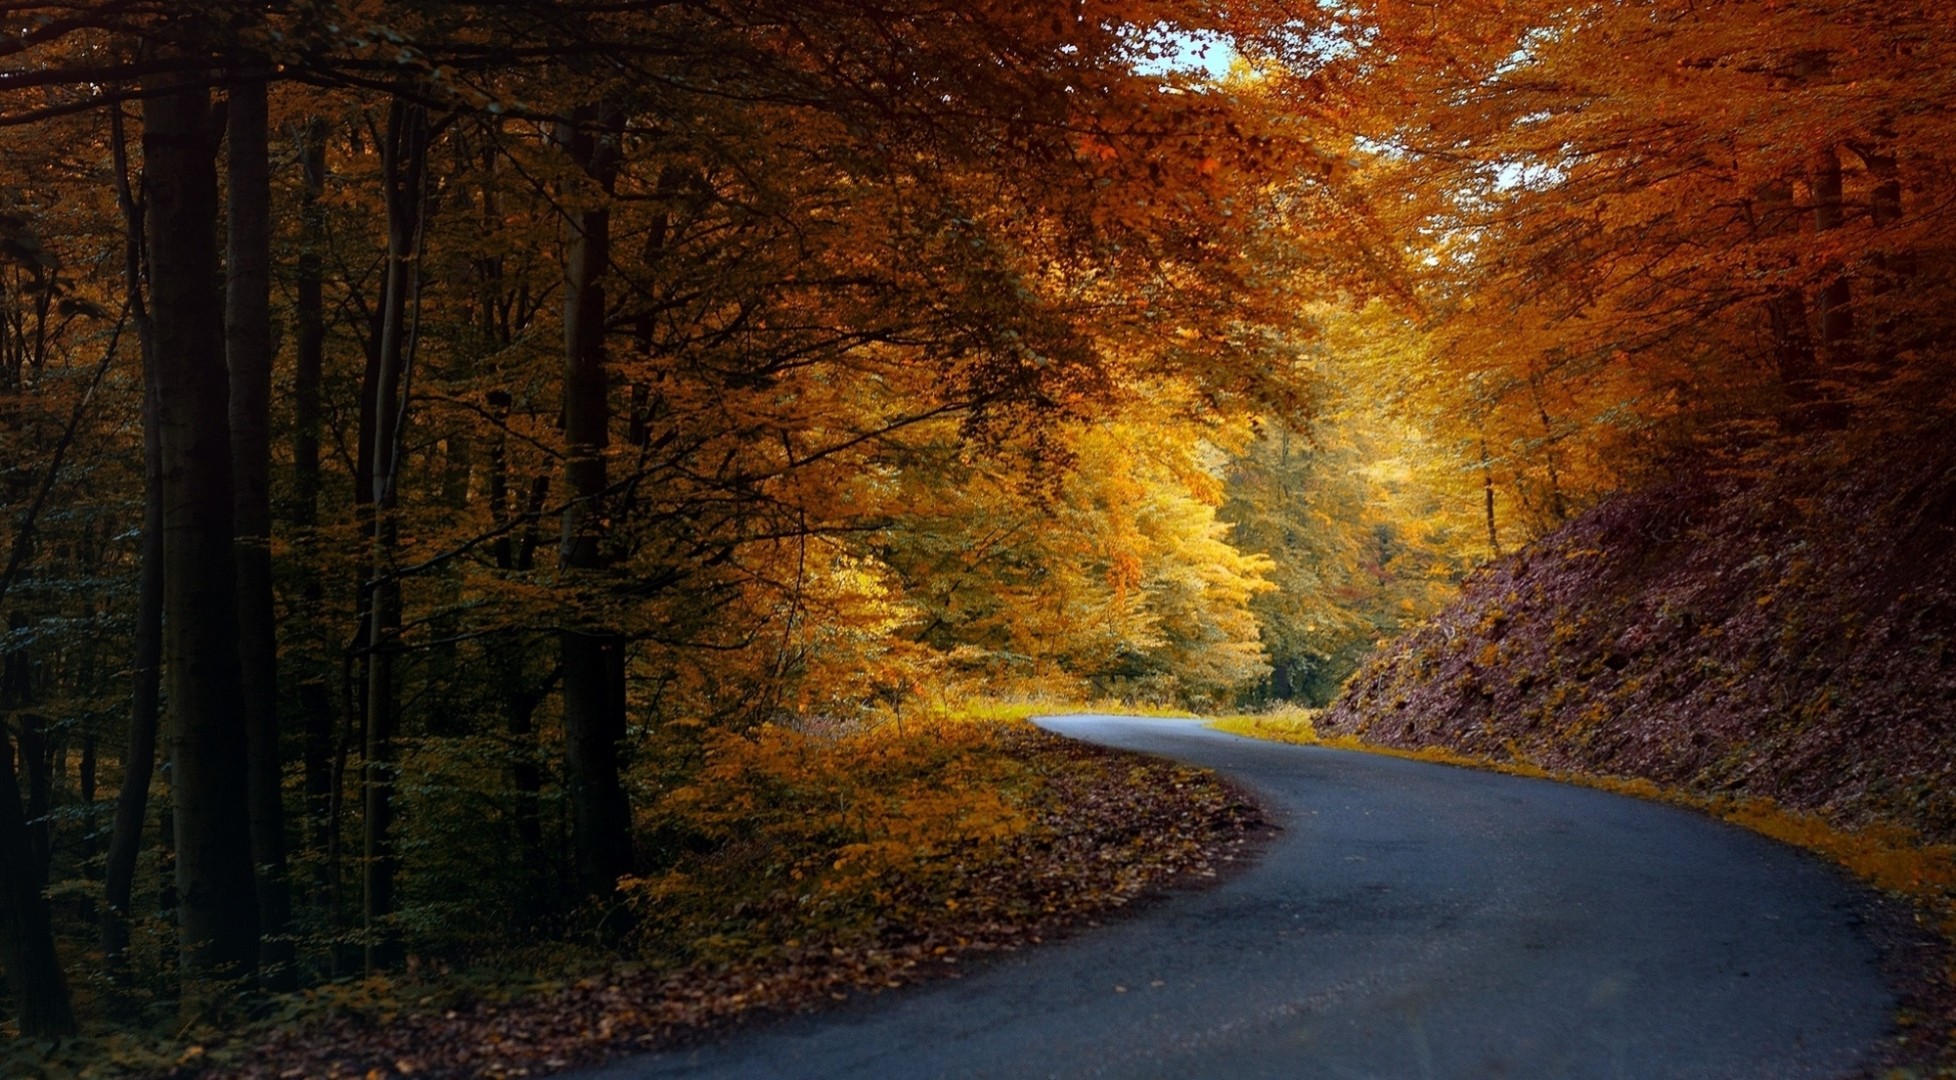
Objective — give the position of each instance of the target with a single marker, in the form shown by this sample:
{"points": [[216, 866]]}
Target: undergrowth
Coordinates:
{"points": [[789, 869]]}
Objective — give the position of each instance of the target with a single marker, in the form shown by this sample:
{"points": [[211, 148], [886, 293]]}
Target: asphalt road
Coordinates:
{"points": [[1411, 921]]}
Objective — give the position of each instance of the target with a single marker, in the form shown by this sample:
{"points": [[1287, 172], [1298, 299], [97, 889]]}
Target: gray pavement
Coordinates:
{"points": [[1411, 921]]}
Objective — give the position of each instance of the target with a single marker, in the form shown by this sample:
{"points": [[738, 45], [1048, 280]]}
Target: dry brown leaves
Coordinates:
{"points": [[1111, 828]]}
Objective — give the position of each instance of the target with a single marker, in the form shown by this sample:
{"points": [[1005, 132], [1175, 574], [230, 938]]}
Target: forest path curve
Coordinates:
{"points": [[1410, 921]]}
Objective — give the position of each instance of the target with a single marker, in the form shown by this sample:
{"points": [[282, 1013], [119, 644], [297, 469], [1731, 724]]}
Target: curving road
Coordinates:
{"points": [[1411, 921]]}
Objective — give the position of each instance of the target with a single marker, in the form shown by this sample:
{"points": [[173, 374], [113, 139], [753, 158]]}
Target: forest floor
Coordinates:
{"points": [[1100, 829]]}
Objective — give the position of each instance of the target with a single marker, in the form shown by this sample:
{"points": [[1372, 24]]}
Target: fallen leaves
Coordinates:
{"points": [[1103, 829]]}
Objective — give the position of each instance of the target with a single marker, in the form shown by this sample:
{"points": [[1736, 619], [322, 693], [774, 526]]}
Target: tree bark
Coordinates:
{"points": [[403, 171], [248, 354], [309, 312], [217, 906], [1487, 500], [308, 415], [139, 759], [42, 1005], [593, 659]]}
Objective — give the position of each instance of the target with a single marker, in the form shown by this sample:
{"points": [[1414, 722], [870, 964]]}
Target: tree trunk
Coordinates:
{"points": [[217, 906], [248, 353], [526, 776], [593, 659], [1487, 500], [308, 415], [139, 759], [519, 701], [403, 173], [42, 1005], [310, 313]]}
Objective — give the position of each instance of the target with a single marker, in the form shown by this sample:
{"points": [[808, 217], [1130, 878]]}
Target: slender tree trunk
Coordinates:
{"points": [[1487, 500], [1558, 502], [307, 397], [139, 759], [356, 673], [42, 1005], [86, 778], [248, 353], [217, 906], [593, 659], [526, 776], [403, 168], [310, 314], [519, 701]]}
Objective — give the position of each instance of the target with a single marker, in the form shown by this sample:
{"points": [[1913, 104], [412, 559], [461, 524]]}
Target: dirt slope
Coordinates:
{"points": [[1786, 631]]}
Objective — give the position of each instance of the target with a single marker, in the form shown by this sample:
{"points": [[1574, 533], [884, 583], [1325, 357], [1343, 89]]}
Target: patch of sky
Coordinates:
{"points": [[1171, 50], [1327, 34]]}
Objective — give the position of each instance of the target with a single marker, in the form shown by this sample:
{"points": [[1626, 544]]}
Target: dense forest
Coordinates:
{"points": [[445, 439]]}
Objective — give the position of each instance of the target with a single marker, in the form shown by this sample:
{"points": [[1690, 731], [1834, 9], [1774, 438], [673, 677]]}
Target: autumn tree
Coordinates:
{"points": [[768, 314], [1640, 225]]}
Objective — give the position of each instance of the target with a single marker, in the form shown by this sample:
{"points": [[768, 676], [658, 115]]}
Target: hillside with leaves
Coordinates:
{"points": [[1788, 635]]}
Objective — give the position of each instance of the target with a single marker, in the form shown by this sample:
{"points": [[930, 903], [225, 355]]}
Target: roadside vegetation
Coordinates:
{"points": [[807, 869]]}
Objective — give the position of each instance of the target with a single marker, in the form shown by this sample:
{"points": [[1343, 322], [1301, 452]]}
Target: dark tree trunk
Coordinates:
{"points": [[519, 701], [307, 399], [139, 759], [35, 761], [593, 659], [86, 778], [248, 353], [403, 172], [42, 1006], [594, 707], [1281, 688], [217, 906], [1487, 500], [526, 776], [310, 314]]}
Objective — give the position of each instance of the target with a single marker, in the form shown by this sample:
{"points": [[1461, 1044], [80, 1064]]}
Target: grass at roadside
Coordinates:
{"points": [[1026, 708], [1890, 857]]}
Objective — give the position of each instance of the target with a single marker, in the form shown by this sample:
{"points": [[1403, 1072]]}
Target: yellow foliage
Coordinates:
{"points": [[785, 835], [1289, 723]]}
